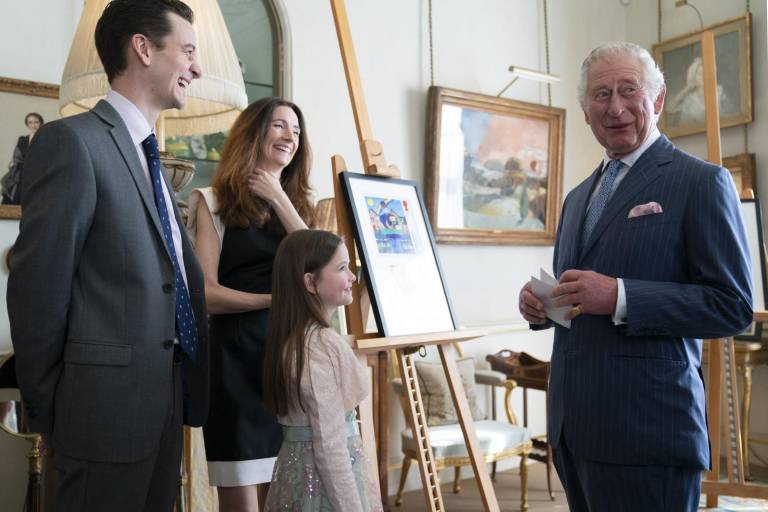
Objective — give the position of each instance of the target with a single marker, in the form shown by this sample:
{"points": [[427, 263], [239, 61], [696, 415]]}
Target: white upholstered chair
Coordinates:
{"points": [[498, 440]]}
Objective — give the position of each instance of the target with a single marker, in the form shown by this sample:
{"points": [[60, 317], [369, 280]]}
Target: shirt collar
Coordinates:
{"points": [[630, 159], [138, 127]]}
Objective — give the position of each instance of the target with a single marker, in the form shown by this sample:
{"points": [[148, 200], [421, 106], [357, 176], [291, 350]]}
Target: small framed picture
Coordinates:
{"points": [[742, 168], [680, 60], [750, 210], [397, 249]]}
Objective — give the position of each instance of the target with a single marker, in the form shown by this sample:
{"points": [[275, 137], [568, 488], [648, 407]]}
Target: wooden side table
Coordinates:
{"points": [[748, 355]]}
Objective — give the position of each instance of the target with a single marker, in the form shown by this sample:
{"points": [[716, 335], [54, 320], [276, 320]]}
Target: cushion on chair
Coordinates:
{"points": [[495, 437], [436, 396]]}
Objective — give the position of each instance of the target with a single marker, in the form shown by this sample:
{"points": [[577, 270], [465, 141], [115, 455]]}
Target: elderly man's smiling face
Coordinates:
{"points": [[618, 106]]}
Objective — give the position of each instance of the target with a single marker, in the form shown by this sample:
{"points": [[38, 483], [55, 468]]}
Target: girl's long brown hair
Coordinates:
{"points": [[293, 312], [238, 207]]}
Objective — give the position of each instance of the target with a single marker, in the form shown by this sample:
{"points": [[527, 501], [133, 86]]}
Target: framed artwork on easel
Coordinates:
{"points": [[750, 210], [397, 249]]}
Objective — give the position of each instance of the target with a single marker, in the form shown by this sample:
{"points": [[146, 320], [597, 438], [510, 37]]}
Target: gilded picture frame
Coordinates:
{"points": [[742, 168], [17, 99], [493, 170], [680, 60]]}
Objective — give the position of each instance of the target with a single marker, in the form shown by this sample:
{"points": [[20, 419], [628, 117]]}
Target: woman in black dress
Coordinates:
{"points": [[11, 182], [260, 192]]}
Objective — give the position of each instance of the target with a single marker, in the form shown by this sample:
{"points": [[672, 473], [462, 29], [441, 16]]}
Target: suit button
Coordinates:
{"points": [[168, 344], [167, 287]]}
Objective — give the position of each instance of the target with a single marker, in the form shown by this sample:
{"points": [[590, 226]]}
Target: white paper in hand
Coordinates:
{"points": [[542, 288]]}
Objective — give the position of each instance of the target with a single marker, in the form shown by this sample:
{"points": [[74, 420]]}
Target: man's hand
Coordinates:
{"points": [[592, 293], [531, 307]]}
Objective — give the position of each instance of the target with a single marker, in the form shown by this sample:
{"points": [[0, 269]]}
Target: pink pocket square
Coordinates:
{"points": [[651, 208]]}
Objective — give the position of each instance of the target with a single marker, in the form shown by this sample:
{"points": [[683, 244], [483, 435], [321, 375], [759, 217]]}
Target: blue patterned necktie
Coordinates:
{"points": [[598, 205], [185, 318]]}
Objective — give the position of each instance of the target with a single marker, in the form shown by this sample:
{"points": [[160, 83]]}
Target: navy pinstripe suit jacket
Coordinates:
{"points": [[634, 394]]}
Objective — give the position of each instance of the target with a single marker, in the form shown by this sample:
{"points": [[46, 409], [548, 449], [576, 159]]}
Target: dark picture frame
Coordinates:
{"points": [[750, 210], [494, 169], [399, 256]]}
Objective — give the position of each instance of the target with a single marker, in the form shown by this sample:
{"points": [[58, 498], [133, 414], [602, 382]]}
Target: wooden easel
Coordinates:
{"points": [[357, 313], [722, 395]]}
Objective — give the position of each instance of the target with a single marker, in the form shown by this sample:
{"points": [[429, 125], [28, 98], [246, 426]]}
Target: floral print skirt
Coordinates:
{"points": [[296, 485]]}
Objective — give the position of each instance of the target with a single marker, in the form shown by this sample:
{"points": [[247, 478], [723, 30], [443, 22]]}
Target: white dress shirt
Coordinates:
{"points": [[139, 129], [627, 161]]}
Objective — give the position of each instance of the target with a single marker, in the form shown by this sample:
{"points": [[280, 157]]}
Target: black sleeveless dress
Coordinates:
{"points": [[239, 428]]}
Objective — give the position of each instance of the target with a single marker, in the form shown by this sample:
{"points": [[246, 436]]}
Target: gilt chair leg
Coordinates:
{"points": [[524, 482], [403, 478], [456, 479], [549, 472]]}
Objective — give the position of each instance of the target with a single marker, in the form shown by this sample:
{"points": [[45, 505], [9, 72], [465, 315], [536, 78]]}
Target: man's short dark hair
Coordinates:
{"points": [[122, 19]]}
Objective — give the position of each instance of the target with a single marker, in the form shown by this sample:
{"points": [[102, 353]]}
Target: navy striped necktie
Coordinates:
{"points": [[185, 318], [601, 200]]}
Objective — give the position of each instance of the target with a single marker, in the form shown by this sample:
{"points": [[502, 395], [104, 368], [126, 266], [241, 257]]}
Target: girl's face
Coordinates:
{"points": [[334, 283]]}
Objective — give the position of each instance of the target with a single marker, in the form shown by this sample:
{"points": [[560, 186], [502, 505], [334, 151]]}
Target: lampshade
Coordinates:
{"points": [[213, 101]]}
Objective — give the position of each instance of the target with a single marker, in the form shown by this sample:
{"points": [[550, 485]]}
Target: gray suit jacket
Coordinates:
{"points": [[91, 296]]}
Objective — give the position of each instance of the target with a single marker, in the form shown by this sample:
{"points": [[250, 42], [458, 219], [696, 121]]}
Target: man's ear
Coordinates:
{"points": [[659, 103], [309, 283], [141, 48]]}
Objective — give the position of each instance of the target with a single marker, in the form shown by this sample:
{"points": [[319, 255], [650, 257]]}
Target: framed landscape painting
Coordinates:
{"points": [[493, 169]]}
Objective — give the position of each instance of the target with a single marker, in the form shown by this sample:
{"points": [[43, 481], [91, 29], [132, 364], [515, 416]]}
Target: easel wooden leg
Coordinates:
{"points": [[735, 454], [484, 483], [417, 420], [365, 409], [714, 392]]}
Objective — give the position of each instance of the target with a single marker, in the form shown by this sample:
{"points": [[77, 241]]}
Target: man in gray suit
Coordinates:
{"points": [[651, 254], [105, 296]]}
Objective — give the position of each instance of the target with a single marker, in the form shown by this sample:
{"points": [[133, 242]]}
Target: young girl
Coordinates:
{"points": [[313, 382]]}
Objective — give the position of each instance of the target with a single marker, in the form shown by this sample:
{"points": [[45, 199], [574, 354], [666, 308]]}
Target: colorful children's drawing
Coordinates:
{"points": [[389, 224]]}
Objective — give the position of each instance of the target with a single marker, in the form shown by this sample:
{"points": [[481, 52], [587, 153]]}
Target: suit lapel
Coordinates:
{"points": [[124, 144], [643, 173], [571, 231]]}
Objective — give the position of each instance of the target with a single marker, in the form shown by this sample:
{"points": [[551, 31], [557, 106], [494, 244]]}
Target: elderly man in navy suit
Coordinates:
{"points": [[652, 256]]}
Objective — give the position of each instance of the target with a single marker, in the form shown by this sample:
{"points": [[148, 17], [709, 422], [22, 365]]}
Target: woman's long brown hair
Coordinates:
{"points": [[293, 313], [237, 205]]}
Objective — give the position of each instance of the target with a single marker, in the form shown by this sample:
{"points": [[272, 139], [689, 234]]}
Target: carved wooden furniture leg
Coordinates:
{"points": [[746, 403], [35, 470], [549, 472], [456, 478], [403, 477], [524, 482]]}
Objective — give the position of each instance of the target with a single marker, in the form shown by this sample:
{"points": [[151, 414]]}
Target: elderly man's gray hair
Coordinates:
{"points": [[654, 79]]}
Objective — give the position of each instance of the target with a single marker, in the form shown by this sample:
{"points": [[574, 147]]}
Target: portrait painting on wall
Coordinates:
{"points": [[25, 106], [680, 60], [493, 168]]}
